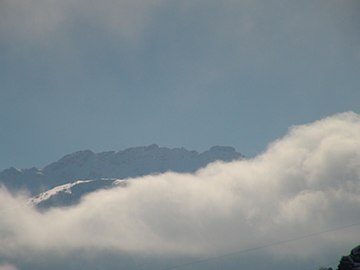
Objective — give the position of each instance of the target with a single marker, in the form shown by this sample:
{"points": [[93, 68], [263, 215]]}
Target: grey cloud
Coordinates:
{"points": [[36, 20], [247, 21], [7, 267], [305, 182]]}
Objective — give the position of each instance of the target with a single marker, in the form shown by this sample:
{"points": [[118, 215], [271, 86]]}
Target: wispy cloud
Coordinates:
{"points": [[38, 20], [246, 21], [305, 182], [7, 267]]}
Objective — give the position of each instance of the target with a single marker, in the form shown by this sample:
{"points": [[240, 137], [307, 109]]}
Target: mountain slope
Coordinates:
{"points": [[71, 193], [131, 162]]}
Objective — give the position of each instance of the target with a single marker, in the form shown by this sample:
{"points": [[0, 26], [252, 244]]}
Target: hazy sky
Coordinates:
{"points": [[107, 75]]}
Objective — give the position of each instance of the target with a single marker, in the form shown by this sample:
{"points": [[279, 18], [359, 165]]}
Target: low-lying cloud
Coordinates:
{"points": [[305, 182]]}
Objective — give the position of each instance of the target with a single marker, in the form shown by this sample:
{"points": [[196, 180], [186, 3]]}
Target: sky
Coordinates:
{"points": [[299, 201], [278, 80], [115, 74]]}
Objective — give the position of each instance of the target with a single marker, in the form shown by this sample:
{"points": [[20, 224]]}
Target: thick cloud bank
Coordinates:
{"points": [[306, 182]]}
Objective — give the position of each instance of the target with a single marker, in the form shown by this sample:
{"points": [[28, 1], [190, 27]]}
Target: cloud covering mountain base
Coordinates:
{"points": [[306, 182]]}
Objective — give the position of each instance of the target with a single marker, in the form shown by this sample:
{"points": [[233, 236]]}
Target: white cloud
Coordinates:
{"points": [[306, 182]]}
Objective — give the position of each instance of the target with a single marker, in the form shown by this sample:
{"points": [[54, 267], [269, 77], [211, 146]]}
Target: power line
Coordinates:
{"points": [[242, 251]]}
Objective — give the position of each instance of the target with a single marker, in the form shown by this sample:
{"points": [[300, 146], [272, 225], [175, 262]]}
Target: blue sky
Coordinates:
{"points": [[114, 74]]}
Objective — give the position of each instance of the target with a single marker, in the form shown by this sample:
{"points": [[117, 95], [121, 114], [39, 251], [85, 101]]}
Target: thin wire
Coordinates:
{"points": [[259, 247]]}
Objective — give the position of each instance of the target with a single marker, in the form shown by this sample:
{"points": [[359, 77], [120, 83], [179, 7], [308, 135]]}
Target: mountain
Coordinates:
{"points": [[62, 177], [71, 193]]}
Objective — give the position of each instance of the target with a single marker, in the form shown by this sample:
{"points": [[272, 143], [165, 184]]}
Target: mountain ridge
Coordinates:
{"points": [[130, 162]]}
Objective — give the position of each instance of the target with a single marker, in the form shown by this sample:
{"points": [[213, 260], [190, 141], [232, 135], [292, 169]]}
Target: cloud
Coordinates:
{"points": [[306, 182], [7, 267], [37, 20], [130, 18]]}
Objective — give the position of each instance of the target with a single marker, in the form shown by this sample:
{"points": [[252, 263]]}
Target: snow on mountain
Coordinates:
{"points": [[71, 193], [131, 162], [58, 183], [56, 190]]}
